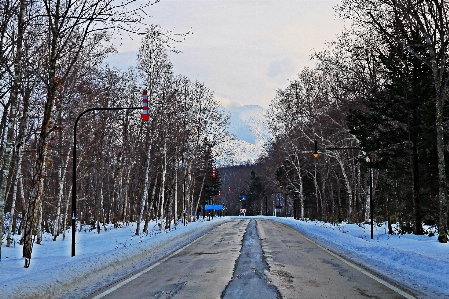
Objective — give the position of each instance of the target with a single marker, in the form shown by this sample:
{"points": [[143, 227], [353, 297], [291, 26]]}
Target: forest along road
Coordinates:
{"points": [[251, 258]]}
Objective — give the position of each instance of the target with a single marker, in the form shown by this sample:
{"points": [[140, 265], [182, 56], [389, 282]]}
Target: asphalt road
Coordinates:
{"points": [[252, 258]]}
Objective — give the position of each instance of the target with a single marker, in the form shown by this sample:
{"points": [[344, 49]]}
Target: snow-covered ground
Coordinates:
{"points": [[99, 259], [420, 263]]}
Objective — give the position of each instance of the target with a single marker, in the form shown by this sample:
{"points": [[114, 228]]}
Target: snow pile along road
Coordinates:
{"points": [[420, 263], [100, 259]]}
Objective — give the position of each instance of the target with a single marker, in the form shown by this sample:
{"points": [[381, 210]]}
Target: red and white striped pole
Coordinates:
{"points": [[145, 115]]}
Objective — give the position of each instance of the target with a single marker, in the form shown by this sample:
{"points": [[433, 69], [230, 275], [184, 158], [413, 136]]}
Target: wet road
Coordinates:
{"points": [[251, 258]]}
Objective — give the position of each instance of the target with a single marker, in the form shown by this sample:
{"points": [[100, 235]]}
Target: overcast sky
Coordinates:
{"points": [[242, 50]]}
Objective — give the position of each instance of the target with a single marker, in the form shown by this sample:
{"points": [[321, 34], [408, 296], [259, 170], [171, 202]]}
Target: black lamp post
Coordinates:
{"points": [[74, 162]]}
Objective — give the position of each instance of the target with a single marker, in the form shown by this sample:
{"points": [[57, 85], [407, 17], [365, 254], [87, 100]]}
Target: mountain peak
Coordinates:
{"points": [[248, 126]]}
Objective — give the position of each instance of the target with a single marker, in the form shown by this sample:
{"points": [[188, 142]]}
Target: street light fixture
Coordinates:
{"points": [[144, 116], [370, 182], [315, 153]]}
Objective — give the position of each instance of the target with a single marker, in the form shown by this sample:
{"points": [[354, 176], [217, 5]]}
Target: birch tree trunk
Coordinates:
{"points": [[175, 212], [17, 182], [162, 192], [150, 206], [14, 197], [61, 176], [8, 144], [169, 213], [348, 188], [190, 200], [99, 215], [297, 166], [23, 201], [124, 196], [39, 169], [146, 186], [199, 195], [64, 221], [39, 214], [58, 206], [33, 208]]}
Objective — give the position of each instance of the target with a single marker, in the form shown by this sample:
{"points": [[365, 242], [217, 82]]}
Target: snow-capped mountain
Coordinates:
{"points": [[249, 133]]}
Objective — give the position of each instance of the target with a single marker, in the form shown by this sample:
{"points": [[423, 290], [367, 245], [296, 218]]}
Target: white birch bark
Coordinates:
{"points": [[100, 210], [301, 189], [14, 197], [124, 195], [175, 216], [62, 171], [145, 188], [162, 192], [64, 221], [58, 205], [348, 186], [9, 142], [190, 200], [18, 177], [150, 205], [199, 195]]}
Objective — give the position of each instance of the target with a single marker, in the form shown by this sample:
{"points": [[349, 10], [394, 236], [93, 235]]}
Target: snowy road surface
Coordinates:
{"points": [[255, 258]]}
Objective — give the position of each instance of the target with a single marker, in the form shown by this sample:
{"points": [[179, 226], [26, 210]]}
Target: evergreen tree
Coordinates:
{"points": [[255, 193], [212, 180], [397, 126]]}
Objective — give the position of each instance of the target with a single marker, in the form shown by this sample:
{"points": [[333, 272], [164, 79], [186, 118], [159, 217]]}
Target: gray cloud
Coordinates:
{"points": [[245, 50], [284, 68]]}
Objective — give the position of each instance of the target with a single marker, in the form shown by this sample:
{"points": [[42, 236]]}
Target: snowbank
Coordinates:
{"points": [[100, 259], [420, 263]]}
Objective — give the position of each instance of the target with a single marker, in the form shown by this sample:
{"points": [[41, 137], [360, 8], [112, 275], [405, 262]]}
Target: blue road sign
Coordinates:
{"points": [[213, 207]]}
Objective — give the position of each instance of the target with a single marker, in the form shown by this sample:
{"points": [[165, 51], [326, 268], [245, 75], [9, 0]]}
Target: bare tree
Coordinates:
{"points": [[69, 25]]}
